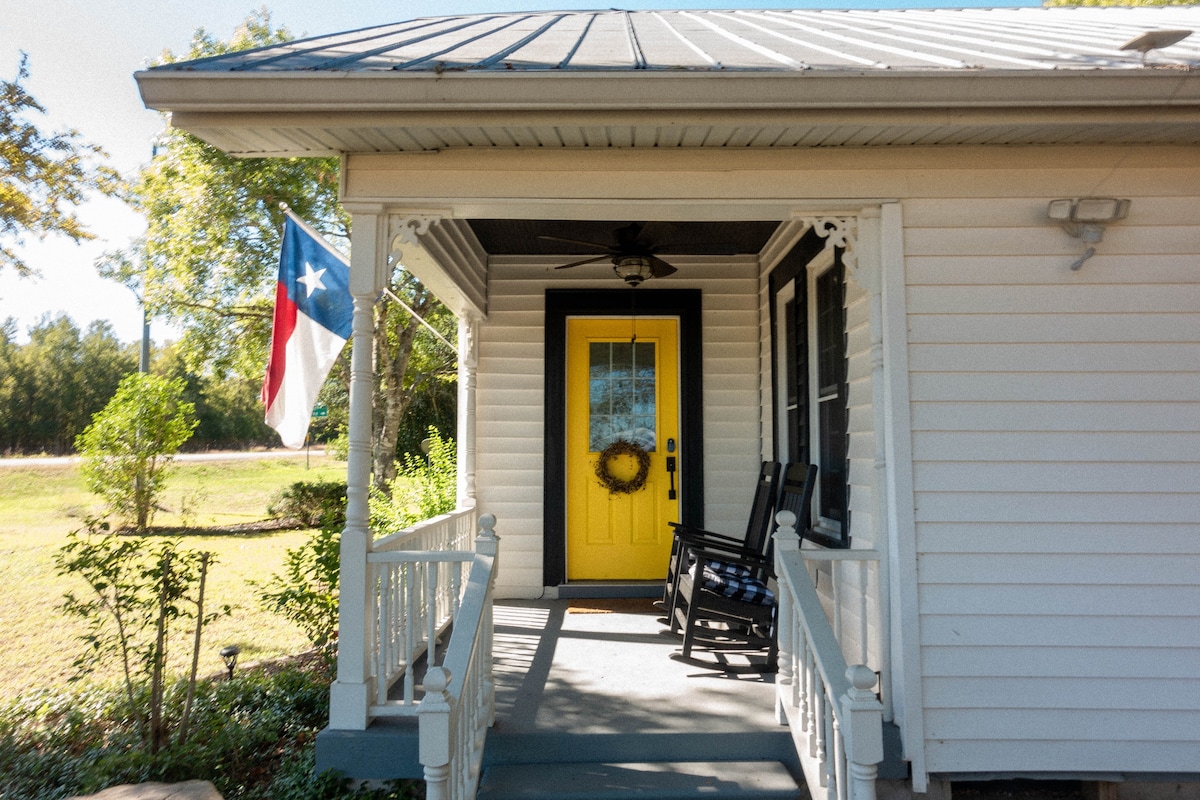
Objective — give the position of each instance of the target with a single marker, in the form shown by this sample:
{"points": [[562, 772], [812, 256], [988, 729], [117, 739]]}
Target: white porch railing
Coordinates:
{"points": [[459, 703], [835, 718], [418, 576]]}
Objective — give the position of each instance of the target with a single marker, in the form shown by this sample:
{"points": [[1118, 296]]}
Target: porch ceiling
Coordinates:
{"points": [[522, 237], [747, 79]]}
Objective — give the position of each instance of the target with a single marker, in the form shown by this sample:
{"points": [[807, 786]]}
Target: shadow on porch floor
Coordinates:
{"points": [[605, 667]]}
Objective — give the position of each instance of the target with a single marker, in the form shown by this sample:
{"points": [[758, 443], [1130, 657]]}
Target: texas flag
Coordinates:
{"points": [[313, 315]]}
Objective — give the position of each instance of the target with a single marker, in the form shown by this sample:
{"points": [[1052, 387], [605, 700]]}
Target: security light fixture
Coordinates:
{"points": [[230, 654], [1085, 218]]}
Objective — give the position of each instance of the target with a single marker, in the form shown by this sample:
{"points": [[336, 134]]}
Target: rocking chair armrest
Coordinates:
{"points": [[746, 560], [718, 549], [699, 534]]}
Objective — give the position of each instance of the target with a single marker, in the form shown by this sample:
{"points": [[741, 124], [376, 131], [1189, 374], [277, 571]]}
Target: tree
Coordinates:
{"points": [[129, 447], [210, 256], [42, 175], [52, 385]]}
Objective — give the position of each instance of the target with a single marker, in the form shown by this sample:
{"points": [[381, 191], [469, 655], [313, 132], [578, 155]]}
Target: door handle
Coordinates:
{"points": [[671, 473]]}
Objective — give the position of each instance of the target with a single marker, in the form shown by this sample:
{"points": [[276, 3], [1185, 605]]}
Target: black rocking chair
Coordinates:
{"points": [[723, 600], [754, 543]]}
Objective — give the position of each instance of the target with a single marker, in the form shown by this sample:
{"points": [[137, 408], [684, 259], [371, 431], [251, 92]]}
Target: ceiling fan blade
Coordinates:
{"points": [[578, 242], [660, 268], [584, 261], [629, 236]]}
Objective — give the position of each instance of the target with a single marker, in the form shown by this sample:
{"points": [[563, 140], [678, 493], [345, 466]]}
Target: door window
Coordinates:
{"points": [[621, 394]]}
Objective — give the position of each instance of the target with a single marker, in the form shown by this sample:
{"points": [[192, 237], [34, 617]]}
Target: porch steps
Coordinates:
{"points": [[545, 765], [646, 780]]}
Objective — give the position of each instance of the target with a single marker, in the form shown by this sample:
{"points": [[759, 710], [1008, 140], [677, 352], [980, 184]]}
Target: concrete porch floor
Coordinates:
{"points": [[604, 666], [586, 681]]}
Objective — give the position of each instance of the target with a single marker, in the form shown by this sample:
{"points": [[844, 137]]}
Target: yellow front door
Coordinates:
{"points": [[622, 387]]}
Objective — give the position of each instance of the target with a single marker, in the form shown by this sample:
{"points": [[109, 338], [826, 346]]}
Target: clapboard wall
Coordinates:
{"points": [[1056, 467]]}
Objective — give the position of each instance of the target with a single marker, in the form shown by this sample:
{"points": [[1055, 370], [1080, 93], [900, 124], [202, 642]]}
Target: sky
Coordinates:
{"points": [[82, 56]]}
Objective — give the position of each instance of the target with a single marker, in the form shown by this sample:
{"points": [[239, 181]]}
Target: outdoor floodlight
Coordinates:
{"points": [[1085, 218]]}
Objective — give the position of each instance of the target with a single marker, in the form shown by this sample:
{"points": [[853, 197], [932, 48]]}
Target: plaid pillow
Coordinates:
{"points": [[745, 589], [726, 568]]}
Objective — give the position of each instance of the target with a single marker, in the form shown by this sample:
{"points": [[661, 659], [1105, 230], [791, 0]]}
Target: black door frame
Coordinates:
{"points": [[563, 303]]}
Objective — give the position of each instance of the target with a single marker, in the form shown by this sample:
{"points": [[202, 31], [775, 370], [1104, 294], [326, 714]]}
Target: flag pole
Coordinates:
{"points": [[418, 318], [321, 238]]}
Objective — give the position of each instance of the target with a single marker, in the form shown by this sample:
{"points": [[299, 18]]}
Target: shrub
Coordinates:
{"points": [[429, 486], [128, 448], [424, 487], [307, 591], [253, 739], [312, 503], [137, 595]]}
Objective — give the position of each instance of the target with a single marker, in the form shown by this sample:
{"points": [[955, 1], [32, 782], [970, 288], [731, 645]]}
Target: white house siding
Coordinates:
{"points": [[509, 413], [852, 596], [1056, 445]]}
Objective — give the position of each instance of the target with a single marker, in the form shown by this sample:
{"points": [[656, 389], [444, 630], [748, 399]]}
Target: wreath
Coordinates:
{"points": [[615, 450]]}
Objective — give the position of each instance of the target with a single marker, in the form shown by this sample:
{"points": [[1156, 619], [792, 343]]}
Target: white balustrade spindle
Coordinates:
{"points": [[835, 718], [459, 701]]}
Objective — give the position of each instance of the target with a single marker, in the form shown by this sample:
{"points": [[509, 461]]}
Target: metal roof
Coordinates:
{"points": [[783, 78], [780, 40]]}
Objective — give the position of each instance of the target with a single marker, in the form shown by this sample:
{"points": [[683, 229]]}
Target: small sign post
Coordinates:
{"points": [[320, 411]]}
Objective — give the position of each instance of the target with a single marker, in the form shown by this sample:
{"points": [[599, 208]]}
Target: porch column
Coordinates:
{"points": [[468, 361], [870, 275], [350, 695]]}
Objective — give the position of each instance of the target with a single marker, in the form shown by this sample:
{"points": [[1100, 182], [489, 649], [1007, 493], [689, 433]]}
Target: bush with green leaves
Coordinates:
{"points": [[253, 738], [129, 446], [307, 592], [137, 593], [312, 503], [425, 487]]}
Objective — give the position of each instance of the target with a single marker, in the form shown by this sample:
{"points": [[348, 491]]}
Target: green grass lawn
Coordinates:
{"points": [[40, 505]]}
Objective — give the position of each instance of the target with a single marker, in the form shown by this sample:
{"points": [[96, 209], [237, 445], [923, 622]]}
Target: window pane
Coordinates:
{"points": [[622, 393], [831, 393]]}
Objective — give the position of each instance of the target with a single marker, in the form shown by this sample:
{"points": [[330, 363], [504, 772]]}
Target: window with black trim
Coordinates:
{"points": [[829, 327], [810, 347]]}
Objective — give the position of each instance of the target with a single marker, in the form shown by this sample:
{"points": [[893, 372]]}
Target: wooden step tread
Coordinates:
{"points": [[660, 780]]}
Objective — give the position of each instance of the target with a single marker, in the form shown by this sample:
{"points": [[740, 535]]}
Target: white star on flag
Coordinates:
{"points": [[311, 279]]}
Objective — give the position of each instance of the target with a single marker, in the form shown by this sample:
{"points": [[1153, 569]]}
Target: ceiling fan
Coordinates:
{"points": [[634, 253]]}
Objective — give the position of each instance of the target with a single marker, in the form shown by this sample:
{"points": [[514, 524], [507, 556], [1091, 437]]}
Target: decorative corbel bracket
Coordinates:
{"points": [[838, 232], [404, 229]]}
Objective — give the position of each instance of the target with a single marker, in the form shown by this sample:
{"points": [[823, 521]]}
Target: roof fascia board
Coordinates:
{"points": [[656, 92], [198, 120]]}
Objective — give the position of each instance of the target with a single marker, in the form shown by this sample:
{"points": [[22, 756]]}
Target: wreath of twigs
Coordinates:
{"points": [[615, 450]]}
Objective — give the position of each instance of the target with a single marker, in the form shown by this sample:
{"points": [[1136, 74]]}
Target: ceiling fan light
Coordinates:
{"points": [[632, 269]]}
